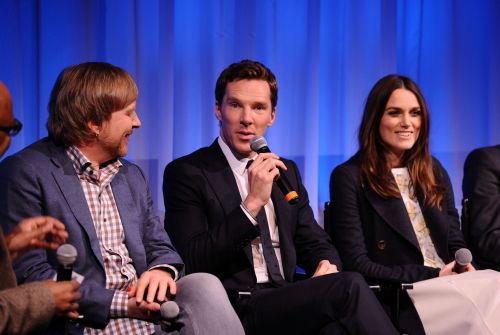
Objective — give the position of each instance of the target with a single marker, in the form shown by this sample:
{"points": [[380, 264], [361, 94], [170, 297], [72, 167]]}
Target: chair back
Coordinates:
{"points": [[327, 219], [465, 220]]}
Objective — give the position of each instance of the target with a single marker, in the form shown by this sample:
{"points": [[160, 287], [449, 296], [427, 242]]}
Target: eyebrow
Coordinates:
{"points": [[232, 99], [399, 108], [257, 102]]}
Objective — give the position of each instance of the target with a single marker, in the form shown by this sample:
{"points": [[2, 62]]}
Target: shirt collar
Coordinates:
{"points": [[80, 162], [83, 165], [237, 165]]}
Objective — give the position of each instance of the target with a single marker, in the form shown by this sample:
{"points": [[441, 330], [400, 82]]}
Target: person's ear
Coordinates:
{"points": [[217, 111], [96, 129], [273, 118]]}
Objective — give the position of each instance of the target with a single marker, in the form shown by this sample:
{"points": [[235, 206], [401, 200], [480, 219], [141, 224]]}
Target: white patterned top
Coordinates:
{"points": [[431, 258]]}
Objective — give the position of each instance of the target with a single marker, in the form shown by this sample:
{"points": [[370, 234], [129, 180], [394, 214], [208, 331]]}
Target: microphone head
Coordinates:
{"points": [[169, 310], [257, 143], [463, 256], [66, 254]]}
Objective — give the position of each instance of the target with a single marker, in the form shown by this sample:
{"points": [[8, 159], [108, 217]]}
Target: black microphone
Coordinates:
{"points": [[66, 256], [463, 257], [169, 312], [259, 145]]}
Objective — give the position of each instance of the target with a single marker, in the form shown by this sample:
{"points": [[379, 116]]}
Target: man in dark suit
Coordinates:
{"points": [[227, 217], [29, 308], [78, 176], [481, 186]]}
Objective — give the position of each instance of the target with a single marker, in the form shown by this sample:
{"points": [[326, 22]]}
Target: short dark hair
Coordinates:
{"points": [[246, 69], [87, 92]]}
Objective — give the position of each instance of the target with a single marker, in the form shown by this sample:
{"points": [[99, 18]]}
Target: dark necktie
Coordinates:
{"points": [[273, 268]]}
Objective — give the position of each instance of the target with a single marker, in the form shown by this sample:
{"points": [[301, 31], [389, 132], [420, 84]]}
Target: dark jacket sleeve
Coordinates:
{"points": [[481, 185], [349, 210], [311, 242], [207, 238], [211, 233]]}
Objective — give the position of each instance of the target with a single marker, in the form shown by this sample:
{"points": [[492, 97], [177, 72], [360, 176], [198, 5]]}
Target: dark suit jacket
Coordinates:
{"points": [[375, 236], [25, 309], [481, 185], [41, 180], [213, 234]]}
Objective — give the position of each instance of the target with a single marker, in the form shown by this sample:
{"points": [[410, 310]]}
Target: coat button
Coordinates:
{"points": [[381, 245]]}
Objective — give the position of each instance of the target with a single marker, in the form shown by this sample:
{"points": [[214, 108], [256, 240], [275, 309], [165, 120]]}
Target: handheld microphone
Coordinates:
{"points": [[169, 312], [259, 145], [66, 256], [463, 257]]}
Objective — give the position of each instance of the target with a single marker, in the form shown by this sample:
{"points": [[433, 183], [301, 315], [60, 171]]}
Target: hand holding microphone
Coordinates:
{"points": [[462, 263], [463, 257], [65, 290], [147, 297], [166, 316], [169, 312], [259, 145]]}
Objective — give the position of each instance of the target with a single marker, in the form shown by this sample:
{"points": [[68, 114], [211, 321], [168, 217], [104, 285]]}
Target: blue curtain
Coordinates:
{"points": [[326, 55]]}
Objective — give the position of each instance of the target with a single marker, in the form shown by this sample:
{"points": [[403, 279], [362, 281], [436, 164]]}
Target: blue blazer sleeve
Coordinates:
{"points": [[40, 180], [23, 193]]}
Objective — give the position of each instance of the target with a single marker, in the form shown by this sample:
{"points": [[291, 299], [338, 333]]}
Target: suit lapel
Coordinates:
{"points": [[394, 213], [221, 179], [283, 217], [126, 207], [72, 192]]}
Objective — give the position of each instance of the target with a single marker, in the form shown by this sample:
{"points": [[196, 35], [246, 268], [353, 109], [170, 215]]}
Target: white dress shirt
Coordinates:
{"points": [[238, 166]]}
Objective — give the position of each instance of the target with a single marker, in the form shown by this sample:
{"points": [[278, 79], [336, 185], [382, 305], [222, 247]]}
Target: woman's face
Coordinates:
{"points": [[400, 125]]}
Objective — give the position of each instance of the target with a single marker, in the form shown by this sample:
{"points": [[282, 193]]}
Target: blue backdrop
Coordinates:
{"points": [[326, 55]]}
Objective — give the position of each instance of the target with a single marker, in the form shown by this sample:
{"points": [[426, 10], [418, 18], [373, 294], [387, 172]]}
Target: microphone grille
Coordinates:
{"points": [[66, 254], [169, 310], [258, 142], [463, 256]]}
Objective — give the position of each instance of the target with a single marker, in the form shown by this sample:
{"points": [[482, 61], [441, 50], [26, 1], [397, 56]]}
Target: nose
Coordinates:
{"points": [[246, 116], [136, 122], [405, 120]]}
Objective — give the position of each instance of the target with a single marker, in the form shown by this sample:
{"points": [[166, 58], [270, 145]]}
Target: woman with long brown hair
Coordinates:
{"points": [[393, 213]]}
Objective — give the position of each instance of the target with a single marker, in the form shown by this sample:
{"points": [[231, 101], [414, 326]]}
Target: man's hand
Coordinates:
{"points": [[143, 310], [151, 290], [261, 174], [324, 268], [36, 232], [66, 295]]}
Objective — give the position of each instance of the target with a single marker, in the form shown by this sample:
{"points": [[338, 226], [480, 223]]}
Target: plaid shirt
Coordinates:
{"points": [[120, 272]]}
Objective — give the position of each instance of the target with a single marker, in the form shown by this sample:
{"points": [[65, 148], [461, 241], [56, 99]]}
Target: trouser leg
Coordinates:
{"points": [[332, 304], [204, 307]]}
